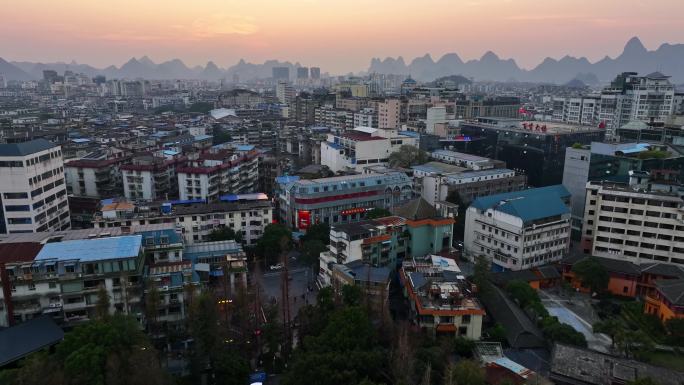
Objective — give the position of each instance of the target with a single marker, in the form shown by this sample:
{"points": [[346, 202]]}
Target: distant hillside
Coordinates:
{"points": [[668, 59]]}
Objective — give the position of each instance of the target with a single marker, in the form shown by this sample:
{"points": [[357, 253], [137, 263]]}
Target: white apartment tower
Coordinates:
{"points": [[630, 97], [633, 223], [32, 190]]}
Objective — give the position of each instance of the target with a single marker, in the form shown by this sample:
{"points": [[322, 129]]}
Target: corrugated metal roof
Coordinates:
{"points": [[528, 205], [92, 249], [28, 337]]}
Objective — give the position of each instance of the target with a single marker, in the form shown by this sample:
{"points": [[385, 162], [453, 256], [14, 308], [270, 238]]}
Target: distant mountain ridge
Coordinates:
{"points": [[145, 68], [668, 59]]}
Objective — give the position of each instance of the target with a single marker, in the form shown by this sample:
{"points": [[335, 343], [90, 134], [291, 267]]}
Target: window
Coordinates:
{"points": [[14, 208], [20, 195]]}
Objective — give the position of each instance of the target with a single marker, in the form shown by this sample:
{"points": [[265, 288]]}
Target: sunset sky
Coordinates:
{"points": [[337, 35]]}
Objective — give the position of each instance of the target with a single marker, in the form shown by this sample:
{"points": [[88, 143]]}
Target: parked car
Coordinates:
{"points": [[277, 266]]}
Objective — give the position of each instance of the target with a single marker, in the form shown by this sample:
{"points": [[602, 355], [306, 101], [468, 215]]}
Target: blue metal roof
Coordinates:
{"points": [[97, 249], [244, 147], [334, 145], [412, 134], [528, 205], [171, 235], [285, 179], [202, 137]]}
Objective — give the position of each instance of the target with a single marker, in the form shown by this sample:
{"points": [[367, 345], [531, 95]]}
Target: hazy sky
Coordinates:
{"points": [[337, 35]]}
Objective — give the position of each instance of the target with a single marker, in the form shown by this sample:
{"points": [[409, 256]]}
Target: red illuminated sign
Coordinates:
{"points": [[353, 211], [303, 219]]}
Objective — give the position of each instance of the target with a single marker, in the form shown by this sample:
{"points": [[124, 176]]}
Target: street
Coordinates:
{"points": [[301, 278]]}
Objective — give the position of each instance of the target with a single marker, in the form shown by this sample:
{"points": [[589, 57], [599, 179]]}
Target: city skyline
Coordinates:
{"points": [[339, 37]]}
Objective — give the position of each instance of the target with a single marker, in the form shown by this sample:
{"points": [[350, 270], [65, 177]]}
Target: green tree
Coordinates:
{"points": [[203, 324], [275, 240], [675, 328], [481, 273], [611, 327], [467, 372], [229, 367], [378, 212], [152, 303], [523, 293], [103, 303], [352, 295], [311, 251], [407, 156], [497, 333], [224, 234], [634, 343], [345, 352], [592, 274], [108, 351], [317, 232], [463, 346], [559, 332]]}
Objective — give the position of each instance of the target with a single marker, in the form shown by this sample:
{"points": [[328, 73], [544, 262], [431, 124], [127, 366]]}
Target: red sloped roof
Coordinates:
{"points": [[19, 252]]}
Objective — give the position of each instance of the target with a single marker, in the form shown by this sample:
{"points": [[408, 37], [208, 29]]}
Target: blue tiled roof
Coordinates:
{"points": [[92, 249], [528, 205]]}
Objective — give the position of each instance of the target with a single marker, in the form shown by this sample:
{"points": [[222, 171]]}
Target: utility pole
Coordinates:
{"points": [[285, 285]]}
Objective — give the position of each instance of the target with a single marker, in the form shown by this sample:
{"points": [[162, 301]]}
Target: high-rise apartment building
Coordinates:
{"points": [[33, 192], [315, 73], [389, 114], [281, 73], [302, 73], [284, 92], [580, 110], [634, 222], [631, 97]]}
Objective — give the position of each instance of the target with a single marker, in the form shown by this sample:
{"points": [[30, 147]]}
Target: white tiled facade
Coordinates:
{"points": [[32, 188], [635, 226]]}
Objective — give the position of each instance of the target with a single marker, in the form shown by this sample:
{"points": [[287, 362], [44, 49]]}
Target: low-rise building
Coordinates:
{"points": [[668, 301], [521, 229], [217, 173], [195, 219], [150, 178], [340, 199], [94, 178], [441, 301], [362, 147], [435, 181], [63, 279]]}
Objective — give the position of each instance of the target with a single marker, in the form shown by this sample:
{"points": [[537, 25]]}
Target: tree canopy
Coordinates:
{"points": [[407, 156], [345, 352], [224, 234], [378, 213], [108, 351], [275, 240], [592, 274]]}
